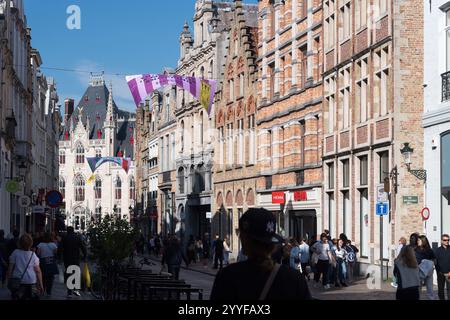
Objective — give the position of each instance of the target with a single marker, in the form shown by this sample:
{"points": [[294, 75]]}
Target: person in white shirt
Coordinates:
{"points": [[24, 265], [341, 255], [46, 251], [226, 252], [322, 249]]}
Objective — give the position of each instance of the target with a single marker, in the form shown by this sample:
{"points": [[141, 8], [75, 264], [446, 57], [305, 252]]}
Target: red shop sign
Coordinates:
{"points": [[278, 198], [300, 196]]}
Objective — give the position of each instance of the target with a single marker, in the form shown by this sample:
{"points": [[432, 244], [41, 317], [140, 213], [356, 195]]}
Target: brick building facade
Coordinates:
{"points": [[235, 149], [289, 114], [372, 106]]}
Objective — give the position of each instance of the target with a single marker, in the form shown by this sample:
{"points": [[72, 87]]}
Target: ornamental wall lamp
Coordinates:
{"points": [[407, 151]]}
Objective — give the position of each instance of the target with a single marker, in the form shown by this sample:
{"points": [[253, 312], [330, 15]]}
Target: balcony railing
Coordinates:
{"points": [[445, 86]]}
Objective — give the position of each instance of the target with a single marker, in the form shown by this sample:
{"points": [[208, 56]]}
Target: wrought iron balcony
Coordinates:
{"points": [[445, 86]]}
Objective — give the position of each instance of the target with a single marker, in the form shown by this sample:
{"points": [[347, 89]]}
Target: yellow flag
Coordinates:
{"points": [[205, 95], [90, 179]]}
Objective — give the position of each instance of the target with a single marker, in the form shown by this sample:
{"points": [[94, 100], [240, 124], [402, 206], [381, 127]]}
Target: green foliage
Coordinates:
{"points": [[112, 241]]}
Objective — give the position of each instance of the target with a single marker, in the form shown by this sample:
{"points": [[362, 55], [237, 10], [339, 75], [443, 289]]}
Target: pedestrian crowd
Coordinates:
{"points": [[29, 263], [416, 264]]}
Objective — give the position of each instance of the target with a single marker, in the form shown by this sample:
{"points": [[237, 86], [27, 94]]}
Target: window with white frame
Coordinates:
{"points": [[230, 144], [364, 221], [80, 185], [362, 87], [62, 187], [330, 24], [172, 151], [447, 35], [382, 81], [241, 85], [252, 140], [381, 7], [80, 154], [132, 193], [241, 142], [330, 87], [98, 188], [118, 189], [231, 86], [345, 97], [360, 14], [62, 157], [345, 21], [167, 107], [221, 146]]}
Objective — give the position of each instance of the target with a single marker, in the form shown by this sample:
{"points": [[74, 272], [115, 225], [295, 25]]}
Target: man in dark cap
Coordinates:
{"points": [[259, 277]]}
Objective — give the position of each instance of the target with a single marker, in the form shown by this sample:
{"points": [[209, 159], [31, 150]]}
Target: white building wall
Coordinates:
{"points": [[437, 113]]}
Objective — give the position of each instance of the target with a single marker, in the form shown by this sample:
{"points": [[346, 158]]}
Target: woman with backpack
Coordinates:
{"points": [[426, 261], [352, 252]]}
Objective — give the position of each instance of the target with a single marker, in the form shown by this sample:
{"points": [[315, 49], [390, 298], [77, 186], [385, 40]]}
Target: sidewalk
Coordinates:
{"points": [[59, 291], [197, 267]]}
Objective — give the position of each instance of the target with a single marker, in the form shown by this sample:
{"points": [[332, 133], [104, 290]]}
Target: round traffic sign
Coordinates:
{"points": [[24, 201], [426, 214], [54, 199], [12, 186]]}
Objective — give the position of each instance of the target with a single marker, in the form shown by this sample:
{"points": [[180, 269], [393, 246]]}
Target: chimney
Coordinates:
{"points": [[68, 111]]}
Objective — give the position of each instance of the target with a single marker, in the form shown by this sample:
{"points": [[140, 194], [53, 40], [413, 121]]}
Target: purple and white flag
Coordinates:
{"points": [[141, 86]]}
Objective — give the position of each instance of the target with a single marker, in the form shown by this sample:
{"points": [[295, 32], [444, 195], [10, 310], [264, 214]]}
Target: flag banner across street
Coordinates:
{"points": [[141, 86]]}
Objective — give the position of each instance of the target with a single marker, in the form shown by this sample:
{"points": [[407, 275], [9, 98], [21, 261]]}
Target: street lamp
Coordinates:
{"points": [[407, 151], [22, 169]]}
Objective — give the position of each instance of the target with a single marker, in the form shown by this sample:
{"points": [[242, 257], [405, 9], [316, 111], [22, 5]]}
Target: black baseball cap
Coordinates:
{"points": [[260, 225]]}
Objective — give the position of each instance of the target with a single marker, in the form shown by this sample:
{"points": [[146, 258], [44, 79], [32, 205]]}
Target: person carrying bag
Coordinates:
{"points": [[14, 283]]}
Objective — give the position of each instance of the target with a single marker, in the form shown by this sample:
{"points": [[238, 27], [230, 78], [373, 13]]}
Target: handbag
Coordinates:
{"points": [[14, 282]]}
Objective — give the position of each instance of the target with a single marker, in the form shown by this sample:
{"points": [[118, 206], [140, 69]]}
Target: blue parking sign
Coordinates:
{"points": [[382, 208]]}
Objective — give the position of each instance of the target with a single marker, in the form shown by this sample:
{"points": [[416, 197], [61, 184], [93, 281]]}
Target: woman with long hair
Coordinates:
{"points": [[341, 267], [426, 260], [46, 251], [406, 271]]}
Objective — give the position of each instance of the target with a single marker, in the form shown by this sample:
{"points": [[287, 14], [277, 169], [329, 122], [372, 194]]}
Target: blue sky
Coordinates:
{"points": [[118, 37]]}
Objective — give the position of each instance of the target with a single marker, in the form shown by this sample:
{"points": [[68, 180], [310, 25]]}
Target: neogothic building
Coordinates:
{"points": [[96, 128]]}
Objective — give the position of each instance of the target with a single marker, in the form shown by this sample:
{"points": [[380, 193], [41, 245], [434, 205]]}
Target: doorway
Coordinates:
{"points": [[303, 224]]}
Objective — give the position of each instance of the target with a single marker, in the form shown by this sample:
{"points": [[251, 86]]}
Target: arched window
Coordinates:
{"points": [[132, 189], [62, 187], [80, 154], [181, 180], [98, 188], [202, 72], [62, 157], [211, 70], [200, 179], [118, 189], [79, 189], [80, 219]]}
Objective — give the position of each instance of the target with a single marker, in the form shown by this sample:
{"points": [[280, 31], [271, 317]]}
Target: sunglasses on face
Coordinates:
{"points": [[445, 240]]}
